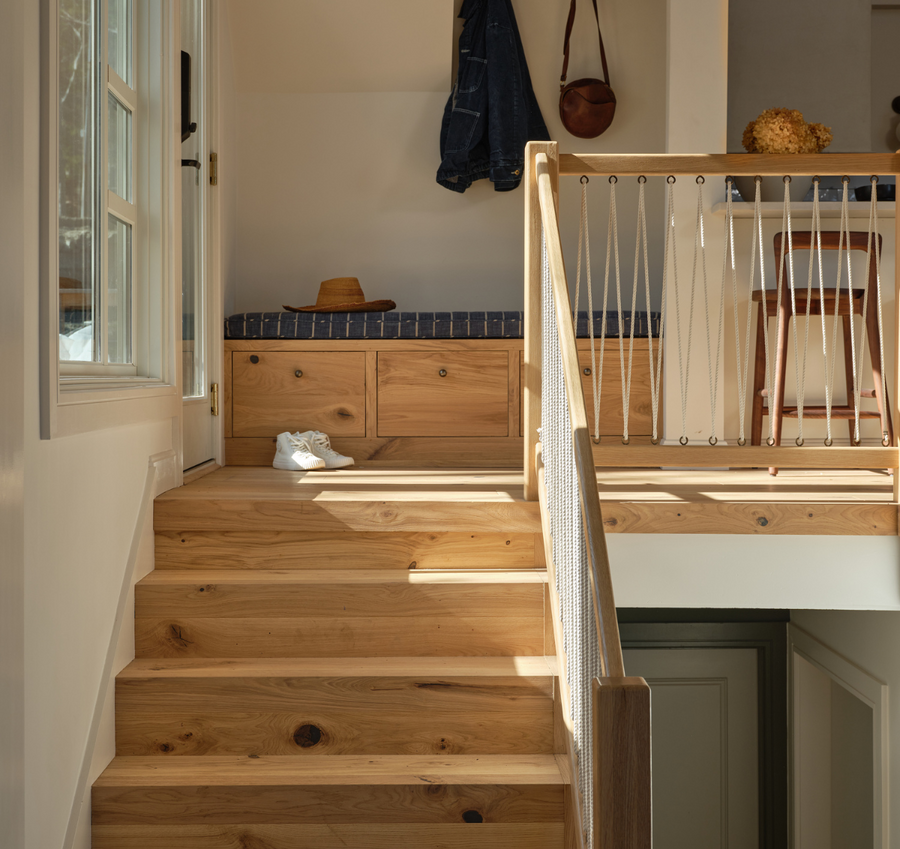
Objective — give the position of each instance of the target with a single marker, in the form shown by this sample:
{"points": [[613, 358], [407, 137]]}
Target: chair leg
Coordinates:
{"points": [[847, 324], [884, 407], [759, 380], [780, 371]]}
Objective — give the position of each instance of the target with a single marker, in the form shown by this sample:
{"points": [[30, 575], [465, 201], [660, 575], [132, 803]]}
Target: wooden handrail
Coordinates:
{"points": [[601, 580], [734, 164]]}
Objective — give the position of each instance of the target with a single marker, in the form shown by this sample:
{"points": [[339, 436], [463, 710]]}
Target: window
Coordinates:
{"points": [[98, 210]]}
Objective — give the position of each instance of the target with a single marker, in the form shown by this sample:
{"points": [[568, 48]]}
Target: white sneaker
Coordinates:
{"points": [[294, 453], [320, 445]]}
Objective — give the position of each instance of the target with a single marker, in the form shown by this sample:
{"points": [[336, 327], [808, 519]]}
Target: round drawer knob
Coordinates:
{"points": [[298, 373], [443, 372], [587, 371], [254, 359]]}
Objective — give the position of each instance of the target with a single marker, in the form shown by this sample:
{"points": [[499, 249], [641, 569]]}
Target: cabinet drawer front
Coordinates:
{"points": [[269, 398], [471, 399], [611, 417]]}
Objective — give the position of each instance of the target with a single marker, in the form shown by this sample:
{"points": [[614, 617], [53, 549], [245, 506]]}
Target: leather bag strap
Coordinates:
{"points": [[569, 24]]}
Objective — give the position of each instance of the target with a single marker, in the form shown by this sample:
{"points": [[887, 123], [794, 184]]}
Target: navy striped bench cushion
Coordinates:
{"points": [[415, 325]]}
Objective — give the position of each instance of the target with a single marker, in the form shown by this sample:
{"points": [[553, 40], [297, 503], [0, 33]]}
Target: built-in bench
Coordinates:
{"points": [[432, 389]]}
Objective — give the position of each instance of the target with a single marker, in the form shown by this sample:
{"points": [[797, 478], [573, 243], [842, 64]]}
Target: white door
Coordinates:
{"points": [[704, 746], [198, 444]]}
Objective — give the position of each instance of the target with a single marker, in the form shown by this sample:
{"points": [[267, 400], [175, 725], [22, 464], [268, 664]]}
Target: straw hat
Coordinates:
{"points": [[343, 294]]}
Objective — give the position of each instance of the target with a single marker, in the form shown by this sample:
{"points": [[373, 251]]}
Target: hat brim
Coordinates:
{"points": [[366, 306]]}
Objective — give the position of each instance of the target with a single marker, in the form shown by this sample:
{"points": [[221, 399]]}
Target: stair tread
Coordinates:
{"points": [[172, 577], [229, 770], [337, 667]]}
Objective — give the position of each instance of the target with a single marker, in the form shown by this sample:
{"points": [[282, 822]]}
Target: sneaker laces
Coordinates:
{"points": [[323, 444], [300, 443]]}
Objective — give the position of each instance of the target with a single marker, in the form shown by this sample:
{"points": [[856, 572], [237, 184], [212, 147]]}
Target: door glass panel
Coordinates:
{"points": [[119, 292], [193, 212], [119, 41], [78, 84], [119, 149]]}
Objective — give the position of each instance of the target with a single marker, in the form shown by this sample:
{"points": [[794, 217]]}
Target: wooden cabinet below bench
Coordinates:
{"points": [[420, 402]]}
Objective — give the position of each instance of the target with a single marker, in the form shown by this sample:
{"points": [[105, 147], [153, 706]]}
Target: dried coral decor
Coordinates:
{"points": [[338, 665]]}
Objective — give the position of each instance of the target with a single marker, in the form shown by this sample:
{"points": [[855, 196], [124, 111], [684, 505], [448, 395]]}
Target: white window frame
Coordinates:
{"points": [[79, 396]]}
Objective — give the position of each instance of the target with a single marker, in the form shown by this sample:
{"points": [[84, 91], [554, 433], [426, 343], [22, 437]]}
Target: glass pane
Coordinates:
{"points": [[78, 85], [119, 152], [119, 293], [119, 39]]}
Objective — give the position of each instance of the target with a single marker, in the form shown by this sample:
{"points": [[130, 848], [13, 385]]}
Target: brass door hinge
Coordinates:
{"points": [[214, 399], [214, 169]]}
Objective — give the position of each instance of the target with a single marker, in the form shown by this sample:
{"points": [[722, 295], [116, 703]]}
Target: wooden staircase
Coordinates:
{"points": [[377, 687]]}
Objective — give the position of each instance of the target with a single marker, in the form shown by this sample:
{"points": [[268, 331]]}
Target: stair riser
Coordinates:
{"points": [[296, 550], [152, 804], [407, 636], [267, 600], [350, 732], [456, 836]]}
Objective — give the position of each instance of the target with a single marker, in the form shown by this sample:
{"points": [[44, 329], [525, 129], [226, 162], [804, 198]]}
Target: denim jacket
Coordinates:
{"points": [[492, 112]]}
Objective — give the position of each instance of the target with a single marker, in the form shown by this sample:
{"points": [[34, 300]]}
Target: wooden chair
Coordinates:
{"points": [[804, 241]]}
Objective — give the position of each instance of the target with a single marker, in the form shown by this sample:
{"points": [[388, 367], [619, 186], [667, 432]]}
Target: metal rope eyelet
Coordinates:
{"points": [[683, 440], [757, 179], [742, 441], [786, 178], [770, 441], [626, 440], [817, 179], [613, 180], [799, 441], [670, 180], [713, 440], [729, 181], [855, 441], [585, 179], [845, 179], [595, 440], [829, 442], [873, 179], [654, 440], [885, 440], [701, 180]]}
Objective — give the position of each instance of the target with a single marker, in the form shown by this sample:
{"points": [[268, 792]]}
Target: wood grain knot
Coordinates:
{"points": [[762, 521], [472, 816], [307, 736], [413, 564]]}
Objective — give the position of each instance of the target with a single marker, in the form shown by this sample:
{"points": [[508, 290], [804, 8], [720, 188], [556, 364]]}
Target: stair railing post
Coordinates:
{"points": [[532, 323]]}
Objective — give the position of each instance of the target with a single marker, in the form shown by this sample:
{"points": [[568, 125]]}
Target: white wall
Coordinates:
{"points": [[343, 182], [811, 55], [227, 136], [16, 268]]}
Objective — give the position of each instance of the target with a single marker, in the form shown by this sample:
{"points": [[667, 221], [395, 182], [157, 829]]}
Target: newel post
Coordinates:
{"points": [[622, 804], [532, 324]]}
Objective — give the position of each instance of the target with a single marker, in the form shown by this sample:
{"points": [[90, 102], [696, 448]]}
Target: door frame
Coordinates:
{"points": [[765, 631], [869, 690]]}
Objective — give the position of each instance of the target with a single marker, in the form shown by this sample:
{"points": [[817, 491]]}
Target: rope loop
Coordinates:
{"points": [[654, 440], [856, 441], [595, 440], [683, 440], [585, 179], [626, 440]]}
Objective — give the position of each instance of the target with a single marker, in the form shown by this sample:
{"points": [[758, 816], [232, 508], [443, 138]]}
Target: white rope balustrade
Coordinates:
{"points": [[584, 245], [569, 548]]}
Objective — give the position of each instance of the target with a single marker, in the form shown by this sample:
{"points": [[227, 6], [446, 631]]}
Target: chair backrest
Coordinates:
{"points": [[803, 240]]}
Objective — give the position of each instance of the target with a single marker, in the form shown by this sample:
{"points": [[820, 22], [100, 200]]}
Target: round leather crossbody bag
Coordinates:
{"points": [[587, 106]]}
